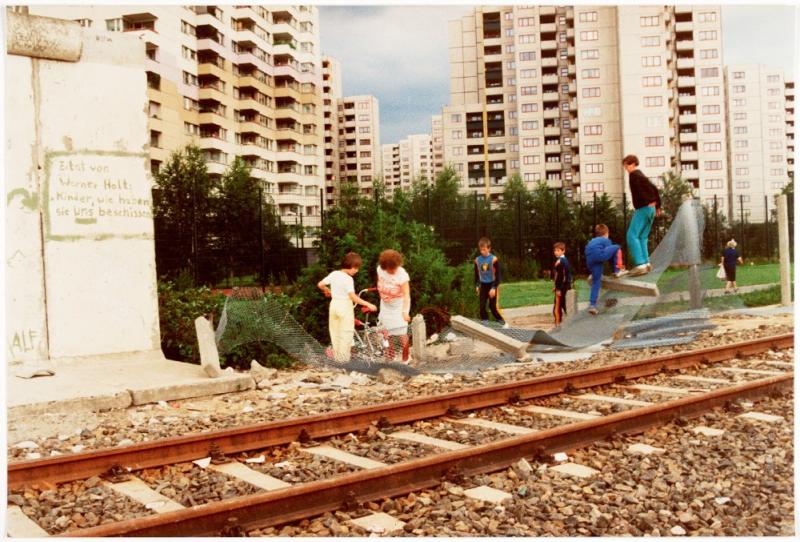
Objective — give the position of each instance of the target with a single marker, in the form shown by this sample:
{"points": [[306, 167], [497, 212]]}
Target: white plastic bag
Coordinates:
{"points": [[721, 273]]}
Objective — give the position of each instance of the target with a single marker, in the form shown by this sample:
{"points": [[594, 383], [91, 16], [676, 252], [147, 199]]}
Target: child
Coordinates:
{"points": [[395, 292], [487, 281], [562, 281], [343, 294], [599, 251]]}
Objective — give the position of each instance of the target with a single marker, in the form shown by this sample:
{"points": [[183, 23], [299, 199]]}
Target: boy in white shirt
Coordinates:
{"points": [[342, 292]]}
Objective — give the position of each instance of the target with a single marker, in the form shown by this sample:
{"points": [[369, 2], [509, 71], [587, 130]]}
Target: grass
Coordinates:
{"points": [[540, 292]]}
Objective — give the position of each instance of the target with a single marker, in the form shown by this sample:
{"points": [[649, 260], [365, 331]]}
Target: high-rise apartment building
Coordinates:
{"points": [[408, 161], [561, 94], [437, 143], [789, 104], [331, 94], [359, 141], [757, 139], [234, 80]]}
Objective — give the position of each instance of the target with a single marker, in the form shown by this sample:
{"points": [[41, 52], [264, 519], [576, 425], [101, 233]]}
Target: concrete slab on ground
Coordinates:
{"points": [[117, 382], [574, 469], [18, 525], [380, 523], [488, 494]]}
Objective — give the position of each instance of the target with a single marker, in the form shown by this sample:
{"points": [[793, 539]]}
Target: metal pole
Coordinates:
{"points": [[625, 226], [766, 224], [261, 234], [194, 231], [302, 232], [519, 226], [477, 217], [716, 226], [558, 218], [783, 250], [321, 209], [594, 209]]}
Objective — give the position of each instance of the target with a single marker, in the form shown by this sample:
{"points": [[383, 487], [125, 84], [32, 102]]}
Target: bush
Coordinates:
{"points": [[177, 311]]}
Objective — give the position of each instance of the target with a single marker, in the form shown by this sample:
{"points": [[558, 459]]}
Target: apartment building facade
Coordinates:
{"points": [[408, 161], [437, 143], [331, 94], [789, 107], [560, 94], [234, 80], [390, 161], [360, 155], [757, 138]]}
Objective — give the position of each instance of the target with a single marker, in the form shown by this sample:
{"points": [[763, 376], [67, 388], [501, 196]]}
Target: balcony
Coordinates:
{"points": [[549, 45], [685, 63], [550, 97], [685, 26], [546, 27], [550, 79], [555, 148], [684, 81], [550, 62], [552, 166], [551, 113], [687, 100], [683, 8], [685, 45], [687, 137], [687, 119], [552, 131], [689, 156], [690, 174]]}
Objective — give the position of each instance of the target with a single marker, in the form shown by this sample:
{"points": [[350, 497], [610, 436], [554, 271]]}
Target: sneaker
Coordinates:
{"points": [[485, 322], [639, 270], [505, 325], [620, 273], [592, 309], [649, 267]]}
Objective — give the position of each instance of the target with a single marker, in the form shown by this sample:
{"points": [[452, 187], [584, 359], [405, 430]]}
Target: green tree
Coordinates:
{"points": [[675, 188], [183, 212]]}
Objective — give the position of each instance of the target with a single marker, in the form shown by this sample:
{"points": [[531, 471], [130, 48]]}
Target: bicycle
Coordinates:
{"points": [[370, 339]]}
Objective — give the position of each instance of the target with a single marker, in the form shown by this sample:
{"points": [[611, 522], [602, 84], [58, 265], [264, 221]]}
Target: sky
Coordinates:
{"points": [[399, 53]]}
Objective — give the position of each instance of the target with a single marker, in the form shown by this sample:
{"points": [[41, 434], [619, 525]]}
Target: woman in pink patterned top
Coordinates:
{"points": [[395, 293]]}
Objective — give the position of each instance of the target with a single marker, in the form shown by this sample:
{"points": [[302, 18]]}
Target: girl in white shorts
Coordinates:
{"points": [[395, 293]]}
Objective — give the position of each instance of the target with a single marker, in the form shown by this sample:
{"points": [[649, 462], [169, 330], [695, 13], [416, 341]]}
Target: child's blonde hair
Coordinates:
{"points": [[484, 242]]}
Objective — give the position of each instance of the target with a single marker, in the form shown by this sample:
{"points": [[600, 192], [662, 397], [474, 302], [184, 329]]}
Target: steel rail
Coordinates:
{"points": [[306, 500], [196, 446]]}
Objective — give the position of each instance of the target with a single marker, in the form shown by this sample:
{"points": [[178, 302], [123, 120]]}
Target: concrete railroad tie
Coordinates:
{"points": [[489, 335]]}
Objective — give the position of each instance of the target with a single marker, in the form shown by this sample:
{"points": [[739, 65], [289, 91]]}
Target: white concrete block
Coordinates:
{"points": [[610, 399], [780, 364], [488, 494], [574, 469], [738, 370], [140, 492], [253, 477], [344, 457], [707, 380], [425, 439], [380, 523], [489, 424], [209, 355], [660, 389], [761, 417], [18, 525], [644, 449], [558, 412], [708, 431]]}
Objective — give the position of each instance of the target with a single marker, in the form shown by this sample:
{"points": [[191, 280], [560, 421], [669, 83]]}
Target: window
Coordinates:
{"points": [[587, 16], [654, 161], [514, 164], [189, 79], [509, 32], [650, 21], [775, 132], [710, 91], [512, 97], [86, 23], [738, 75], [530, 124], [709, 72], [154, 109], [773, 79], [530, 108], [527, 74], [590, 54], [775, 158], [527, 55], [363, 129], [563, 53], [530, 177], [455, 118], [564, 106], [739, 115], [186, 28], [525, 21], [741, 157], [155, 138], [512, 114], [776, 172], [773, 105], [531, 159], [593, 149], [741, 144], [740, 129], [773, 91], [511, 65], [711, 128], [508, 15], [455, 134], [741, 171], [712, 165], [188, 54], [529, 91], [562, 37], [650, 61], [511, 81], [775, 145], [651, 81], [739, 102], [710, 109], [565, 123], [653, 101], [589, 35], [591, 73], [527, 38], [593, 168], [707, 17], [777, 186], [114, 25], [595, 187], [713, 183], [591, 92], [653, 121], [363, 117], [593, 129], [190, 104], [365, 154], [530, 142], [191, 129], [655, 141], [650, 41], [712, 146], [363, 105], [707, 35], [706, 54], [512, 131], [773, 118], [738, 89], [594, 111]]}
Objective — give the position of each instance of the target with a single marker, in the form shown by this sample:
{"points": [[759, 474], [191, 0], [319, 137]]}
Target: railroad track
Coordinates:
{"points": [[498, 414]]}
